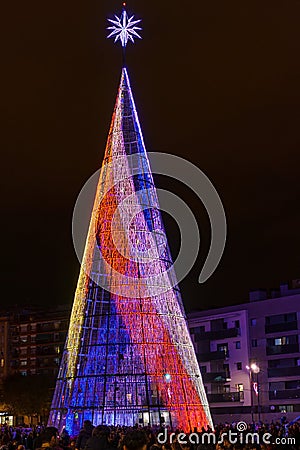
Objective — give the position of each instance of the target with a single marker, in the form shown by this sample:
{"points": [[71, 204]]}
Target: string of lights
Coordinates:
{"points": [[128, 356]]}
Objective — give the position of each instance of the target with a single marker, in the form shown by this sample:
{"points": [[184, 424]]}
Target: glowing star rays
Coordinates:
{"points": [[124, 28]]}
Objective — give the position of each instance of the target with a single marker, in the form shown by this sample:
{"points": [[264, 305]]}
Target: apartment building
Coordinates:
{"points": [[32, 340], [249, 355]]}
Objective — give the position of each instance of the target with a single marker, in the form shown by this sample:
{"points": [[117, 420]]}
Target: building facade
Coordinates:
{"points": [[31, 343], [37, 341], [249, 356], [32, 340]]}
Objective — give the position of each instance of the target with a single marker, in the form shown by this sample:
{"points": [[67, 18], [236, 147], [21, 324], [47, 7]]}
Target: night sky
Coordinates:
{"points": [[215, 82]]}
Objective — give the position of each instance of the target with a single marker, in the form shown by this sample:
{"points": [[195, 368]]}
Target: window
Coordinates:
{"points": [[237, 324], [203, 369], [57, 325], [226, 370], [223, 348], [293, 384], [23, 362], [291, 317], [287, 362], [238, 345], [286, 408], [253, 322], [198, 330], [240, 389], [277, 386], [280, 341], [254, 342], [281, 318], [239, 366]]}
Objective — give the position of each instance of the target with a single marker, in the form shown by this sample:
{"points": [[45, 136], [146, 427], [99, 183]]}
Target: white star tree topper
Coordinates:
{"points": [[124, 28]]}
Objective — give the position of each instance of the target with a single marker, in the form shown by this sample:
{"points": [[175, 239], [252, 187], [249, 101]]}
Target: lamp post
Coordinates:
{"points": [[254, 370]]}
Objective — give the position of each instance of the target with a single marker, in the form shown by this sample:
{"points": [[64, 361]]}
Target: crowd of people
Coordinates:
{"points": [[224, 436]]}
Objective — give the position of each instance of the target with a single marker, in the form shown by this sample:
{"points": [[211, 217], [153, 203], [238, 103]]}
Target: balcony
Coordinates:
{"points": [[51, 326], [282, 349], [284, 326], [220, 334], [212, 356], [46, 363], [283, 371], [43, 351], [214, 377], [44, 338], [226, 397], [284, 395]]}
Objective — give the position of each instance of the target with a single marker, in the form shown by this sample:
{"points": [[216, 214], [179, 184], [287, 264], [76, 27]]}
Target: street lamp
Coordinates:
{"points": [[254, 370]]}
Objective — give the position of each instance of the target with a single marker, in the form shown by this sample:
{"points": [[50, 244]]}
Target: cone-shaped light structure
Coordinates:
{"points": [[128, 356]]}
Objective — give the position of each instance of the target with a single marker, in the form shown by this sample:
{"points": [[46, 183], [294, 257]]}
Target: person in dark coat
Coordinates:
{"points": [[99, 439], [84, 434], [65, 439], [135, 440]]}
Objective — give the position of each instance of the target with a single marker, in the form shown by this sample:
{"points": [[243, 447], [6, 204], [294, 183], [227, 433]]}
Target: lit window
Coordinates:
{"points": [[286, 408], [223, 348]]}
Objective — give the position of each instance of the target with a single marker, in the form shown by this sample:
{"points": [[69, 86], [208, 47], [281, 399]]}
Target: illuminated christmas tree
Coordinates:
{"points": [[128, 357]]}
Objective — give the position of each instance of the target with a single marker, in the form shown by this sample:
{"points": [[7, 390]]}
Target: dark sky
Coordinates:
{"points": [[215, 82]]}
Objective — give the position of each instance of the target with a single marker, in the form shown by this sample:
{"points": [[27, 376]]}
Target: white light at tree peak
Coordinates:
{"points": [[124, 28]]}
